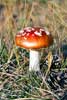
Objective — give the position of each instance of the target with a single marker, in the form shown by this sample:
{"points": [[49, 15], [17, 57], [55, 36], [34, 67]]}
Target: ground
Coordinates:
{"points": [[16, 82]]}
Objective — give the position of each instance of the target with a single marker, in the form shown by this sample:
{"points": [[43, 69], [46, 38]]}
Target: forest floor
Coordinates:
{"points": [[16, 82]]}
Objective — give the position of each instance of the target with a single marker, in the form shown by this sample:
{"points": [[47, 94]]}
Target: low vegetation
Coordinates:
{"points": [[16, 82]]}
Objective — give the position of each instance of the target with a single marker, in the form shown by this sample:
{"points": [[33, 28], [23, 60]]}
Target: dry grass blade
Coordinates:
{"points": [[31, 98], [28, 14], [1, 86], [15, 81], [50, 58], [11, 54], [47, 91]]}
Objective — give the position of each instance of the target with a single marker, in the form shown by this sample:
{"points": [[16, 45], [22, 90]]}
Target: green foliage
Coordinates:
{"points": [[3, 53], [43, 1], [15, 79]]}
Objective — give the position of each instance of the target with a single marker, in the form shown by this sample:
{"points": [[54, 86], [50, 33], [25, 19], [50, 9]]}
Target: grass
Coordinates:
{"points": [[16, 82]]}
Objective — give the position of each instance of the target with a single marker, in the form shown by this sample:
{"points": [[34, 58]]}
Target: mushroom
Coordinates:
{"points": [[34, 38]]}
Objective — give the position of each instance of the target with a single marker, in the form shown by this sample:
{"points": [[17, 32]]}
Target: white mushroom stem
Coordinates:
{"points": [[34, 64]]}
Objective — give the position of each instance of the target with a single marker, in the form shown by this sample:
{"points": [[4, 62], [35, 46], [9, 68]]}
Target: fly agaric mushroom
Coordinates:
{"points": [[33, 38]]}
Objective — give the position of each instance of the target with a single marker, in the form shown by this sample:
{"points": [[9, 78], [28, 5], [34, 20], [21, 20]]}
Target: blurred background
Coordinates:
{"points": [[15, 15]]}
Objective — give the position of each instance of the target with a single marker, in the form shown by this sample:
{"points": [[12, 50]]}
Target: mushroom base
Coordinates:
{"points": [[34, 61]]}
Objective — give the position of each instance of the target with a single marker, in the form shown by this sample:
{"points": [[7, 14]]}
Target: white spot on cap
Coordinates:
{"points": [[48, 33], [33, 29], [27, 28], [38, 33], [28, 34], [21, 31], [41, 29]]}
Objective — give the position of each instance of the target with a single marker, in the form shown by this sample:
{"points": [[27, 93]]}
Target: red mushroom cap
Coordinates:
{"points": [[33, 38]]}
